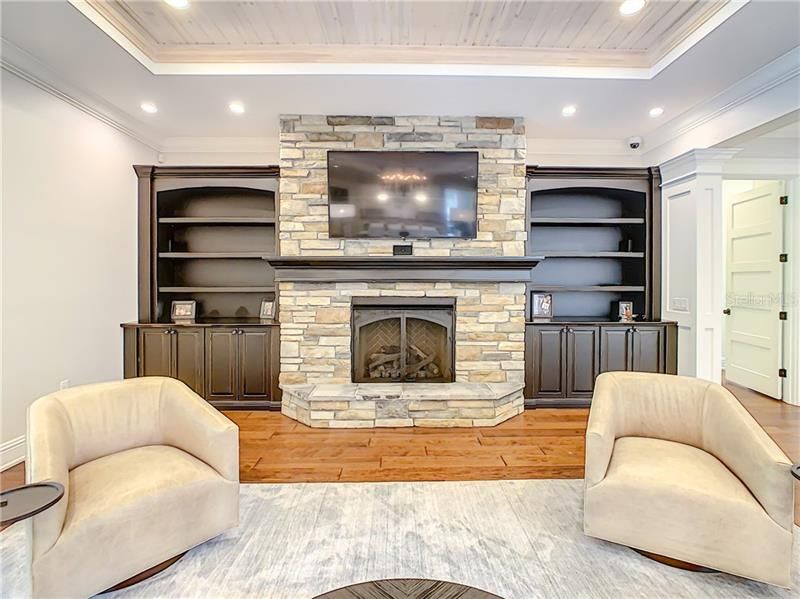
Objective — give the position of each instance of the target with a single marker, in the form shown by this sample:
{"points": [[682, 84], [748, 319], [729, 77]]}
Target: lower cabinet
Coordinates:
{"points": [[230, 366], [563, 360], [238, 365], [175, 352]]}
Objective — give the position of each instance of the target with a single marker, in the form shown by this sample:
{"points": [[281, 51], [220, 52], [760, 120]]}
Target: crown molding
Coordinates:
{"points": [[714, 21], [19, 63], [695, 163], [457, 61], [779, 76]]}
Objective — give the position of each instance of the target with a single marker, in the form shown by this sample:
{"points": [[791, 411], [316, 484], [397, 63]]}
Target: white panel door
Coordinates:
{"points": [[753, 331]]}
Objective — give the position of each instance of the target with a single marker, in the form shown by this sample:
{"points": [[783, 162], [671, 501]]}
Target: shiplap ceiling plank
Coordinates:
{"points": [[579, 31]]}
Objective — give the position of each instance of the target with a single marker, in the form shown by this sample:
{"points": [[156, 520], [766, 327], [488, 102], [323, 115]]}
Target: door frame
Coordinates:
{"points": [[791, 281]]}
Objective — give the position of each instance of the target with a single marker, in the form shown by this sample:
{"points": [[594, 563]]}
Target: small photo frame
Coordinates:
{"points": [[184, 311], [622, 311], [267, 311], [542, 306]]}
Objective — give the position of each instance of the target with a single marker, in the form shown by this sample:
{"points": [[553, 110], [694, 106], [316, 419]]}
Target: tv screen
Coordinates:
{"points": [[403, 194]]}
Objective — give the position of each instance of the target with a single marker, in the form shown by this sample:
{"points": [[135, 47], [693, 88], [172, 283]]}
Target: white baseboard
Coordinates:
{"points": [[12, 452]]}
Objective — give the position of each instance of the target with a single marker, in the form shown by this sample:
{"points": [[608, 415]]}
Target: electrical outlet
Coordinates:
{"points": [[63, 385]]}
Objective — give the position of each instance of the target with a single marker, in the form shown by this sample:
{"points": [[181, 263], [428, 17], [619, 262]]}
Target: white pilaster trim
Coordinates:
{"points": [[698, 174]]}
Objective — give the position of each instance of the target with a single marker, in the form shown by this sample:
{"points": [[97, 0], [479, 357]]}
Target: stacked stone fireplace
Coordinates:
{"points": [[353, 351]]}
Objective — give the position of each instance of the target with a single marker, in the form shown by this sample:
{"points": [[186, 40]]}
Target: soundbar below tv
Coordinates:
{"points": [[402, 195]]}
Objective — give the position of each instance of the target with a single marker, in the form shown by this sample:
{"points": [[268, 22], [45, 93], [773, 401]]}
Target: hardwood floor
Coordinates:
{"points": [[536, 444], [543, 443]]}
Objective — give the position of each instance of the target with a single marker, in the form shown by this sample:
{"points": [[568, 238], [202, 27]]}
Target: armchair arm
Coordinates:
{"points": [[50, 451], [733, 436], [189, 423], [601, 430]]}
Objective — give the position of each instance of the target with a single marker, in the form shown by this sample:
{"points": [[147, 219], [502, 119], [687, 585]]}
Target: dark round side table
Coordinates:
{"points": [[28, 500], [796, 471], [408, 588]]}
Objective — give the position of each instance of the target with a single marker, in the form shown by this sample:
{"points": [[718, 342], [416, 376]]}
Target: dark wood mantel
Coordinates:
{"points": [[403, 268]]}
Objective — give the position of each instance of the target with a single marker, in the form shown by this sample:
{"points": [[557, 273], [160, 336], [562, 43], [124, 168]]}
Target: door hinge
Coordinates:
{"points": [[782, 373], [784, 257], [784, 200], [782, 315]]}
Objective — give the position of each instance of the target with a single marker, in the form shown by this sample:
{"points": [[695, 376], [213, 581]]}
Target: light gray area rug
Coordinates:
{"points": [[517, 539]]}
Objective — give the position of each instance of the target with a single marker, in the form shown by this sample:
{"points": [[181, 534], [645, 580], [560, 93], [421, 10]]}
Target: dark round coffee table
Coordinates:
{"points": [[28, 500], [408, 588]]}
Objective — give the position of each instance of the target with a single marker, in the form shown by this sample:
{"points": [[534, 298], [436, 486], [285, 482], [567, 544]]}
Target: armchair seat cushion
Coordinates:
{"points": [[135, 509], [679, 501]]}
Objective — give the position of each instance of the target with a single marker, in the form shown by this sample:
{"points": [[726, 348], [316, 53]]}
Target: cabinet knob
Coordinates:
{"points": [[166, 331]]}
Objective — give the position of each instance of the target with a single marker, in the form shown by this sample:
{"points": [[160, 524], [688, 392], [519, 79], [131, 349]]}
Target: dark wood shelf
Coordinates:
{"points": [[587, 254], [584, 288], [598, 320], [216, 289], [556, 221], [192, 255], [216, 220]]}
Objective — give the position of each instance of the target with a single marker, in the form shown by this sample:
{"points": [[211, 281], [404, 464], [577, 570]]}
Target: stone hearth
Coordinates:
{"points": [[402, 404]]}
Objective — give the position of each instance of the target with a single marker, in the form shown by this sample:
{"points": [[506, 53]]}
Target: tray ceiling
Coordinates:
{"points": [[526, 33]]}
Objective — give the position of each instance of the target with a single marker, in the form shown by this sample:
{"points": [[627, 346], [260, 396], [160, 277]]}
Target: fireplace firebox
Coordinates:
{"points": [[403, 340]]}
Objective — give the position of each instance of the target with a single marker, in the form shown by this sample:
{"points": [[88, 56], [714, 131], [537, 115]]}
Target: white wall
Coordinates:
{"points": [[68, 250]]}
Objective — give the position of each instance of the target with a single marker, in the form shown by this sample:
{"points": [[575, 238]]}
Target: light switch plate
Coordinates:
{"points": [[679, 304]]}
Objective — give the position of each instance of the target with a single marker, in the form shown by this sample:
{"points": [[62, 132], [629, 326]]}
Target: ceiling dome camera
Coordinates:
{"points": [[634, 142]]}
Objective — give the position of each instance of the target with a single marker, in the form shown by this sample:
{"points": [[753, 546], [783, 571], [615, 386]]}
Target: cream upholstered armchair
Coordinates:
{"points": [[677, 467], [150, 470]]}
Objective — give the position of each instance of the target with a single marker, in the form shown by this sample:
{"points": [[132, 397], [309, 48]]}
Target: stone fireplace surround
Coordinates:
{"points": [[489, 295], [315, 288]]}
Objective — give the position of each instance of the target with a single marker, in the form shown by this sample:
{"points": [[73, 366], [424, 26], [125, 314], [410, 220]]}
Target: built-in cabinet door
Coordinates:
{"points": [[615, 351], [253, 376], [188, 358], [582, 360], [221, 356], [155, 351], [647, 349], [548, 361]]}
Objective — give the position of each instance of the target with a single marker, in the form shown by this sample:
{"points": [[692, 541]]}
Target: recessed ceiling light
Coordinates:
{"points": [[149, 107], [236, 107], [179, 4], [656, 112], [568, 110], [631, 7]]}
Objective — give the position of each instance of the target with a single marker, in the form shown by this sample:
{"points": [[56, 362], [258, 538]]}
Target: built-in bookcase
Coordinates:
{"points": [[210, 232], [595, 234]]}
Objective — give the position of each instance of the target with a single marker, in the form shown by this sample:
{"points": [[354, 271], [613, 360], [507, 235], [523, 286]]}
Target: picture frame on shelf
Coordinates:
{"points": [[542, 307], [267, 311], [622, 311], [183, 311]]}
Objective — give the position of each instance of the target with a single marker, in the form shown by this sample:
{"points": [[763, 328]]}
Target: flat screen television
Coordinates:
{"points": [[402, 195]]}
